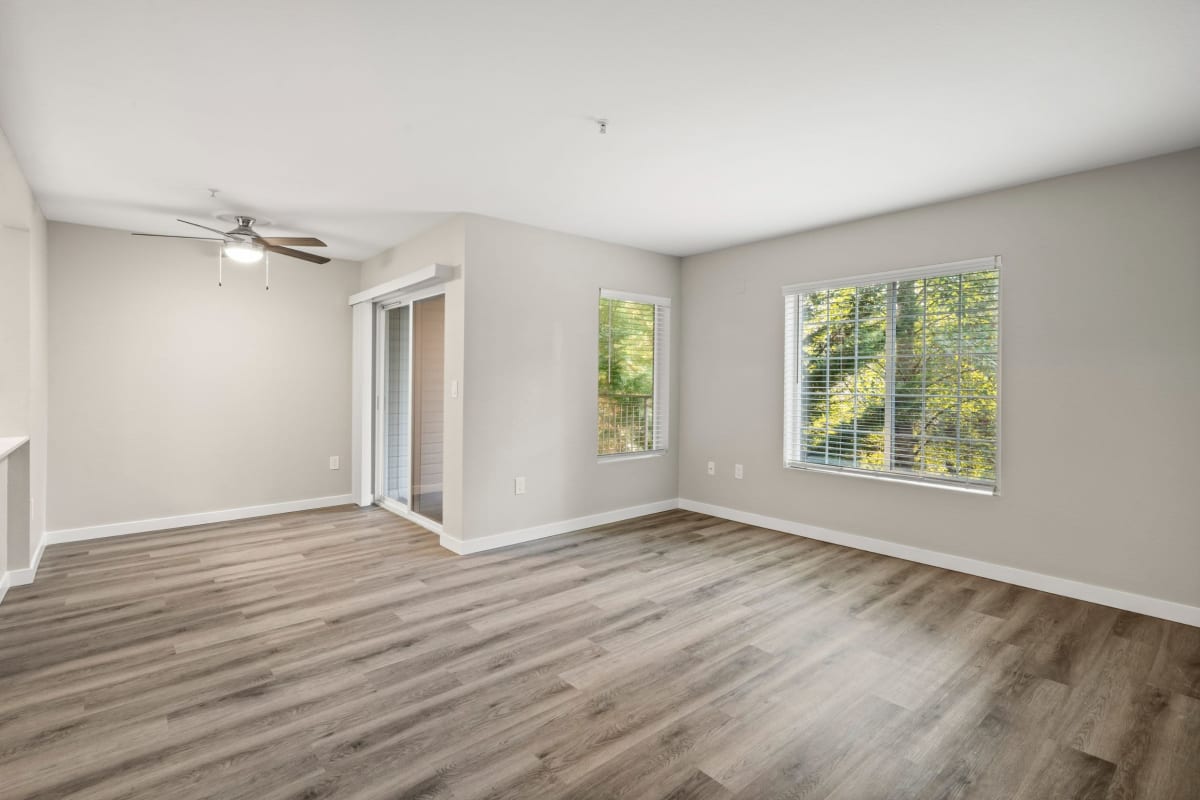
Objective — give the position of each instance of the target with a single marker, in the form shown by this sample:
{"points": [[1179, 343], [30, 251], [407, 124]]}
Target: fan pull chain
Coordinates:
{"points": [[220, 265], [267, 275]]}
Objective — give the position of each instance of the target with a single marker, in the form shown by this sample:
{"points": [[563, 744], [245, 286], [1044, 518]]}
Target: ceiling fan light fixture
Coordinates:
{"points": [[244, 252]]}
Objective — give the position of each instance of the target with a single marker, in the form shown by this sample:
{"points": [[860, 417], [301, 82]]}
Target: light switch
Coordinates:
{"points": [[453, 389], [737, 471], [335, 462], [519, 485]]}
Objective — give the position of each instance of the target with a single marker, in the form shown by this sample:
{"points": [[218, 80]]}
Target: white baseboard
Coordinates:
{"points": [[187, 520], [24, 577], [467, 546], [1114, 598]]}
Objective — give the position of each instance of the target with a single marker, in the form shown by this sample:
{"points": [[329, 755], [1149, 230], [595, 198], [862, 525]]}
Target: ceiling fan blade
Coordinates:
{"points": [[173, 236], [287, 251], [205, 227], [295, 241]]}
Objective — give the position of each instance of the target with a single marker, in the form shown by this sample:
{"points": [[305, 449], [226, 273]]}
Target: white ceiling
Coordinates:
{"points": [[731, 120]]}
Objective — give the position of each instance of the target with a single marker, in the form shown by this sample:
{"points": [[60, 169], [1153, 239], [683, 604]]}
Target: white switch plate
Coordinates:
{"points": [[335, 462], [453, 389], [737, 471], [712, 468], [519, 485]]}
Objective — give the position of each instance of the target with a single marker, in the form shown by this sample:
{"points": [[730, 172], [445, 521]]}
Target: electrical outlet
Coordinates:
{"points": [[737, 471], [712, 468], [519, 485], [335, 462]]}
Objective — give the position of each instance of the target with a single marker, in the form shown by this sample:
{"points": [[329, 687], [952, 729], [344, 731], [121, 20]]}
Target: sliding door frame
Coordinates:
{"points": [[379, 402], [383, 352], [362, 368]]}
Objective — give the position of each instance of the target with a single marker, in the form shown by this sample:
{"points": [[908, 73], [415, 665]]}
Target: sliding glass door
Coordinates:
{"points": [[409, 408], [428, 374], [396, 404]]}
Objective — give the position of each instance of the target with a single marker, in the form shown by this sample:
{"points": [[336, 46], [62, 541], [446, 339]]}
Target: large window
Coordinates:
{"points": [[896, 375], [632, 407]]}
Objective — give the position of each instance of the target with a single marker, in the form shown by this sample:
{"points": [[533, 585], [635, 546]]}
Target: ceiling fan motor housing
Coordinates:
{"points": [[245, 227]]}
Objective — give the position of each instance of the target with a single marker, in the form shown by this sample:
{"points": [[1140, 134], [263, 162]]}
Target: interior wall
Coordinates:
{"points": [[530, 381], [14, 330], [23, 351], [1100, 378], [171, 395], [445, 244]]}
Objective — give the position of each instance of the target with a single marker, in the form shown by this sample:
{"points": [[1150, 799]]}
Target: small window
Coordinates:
{"points": [[897, 375], [632, 404]]}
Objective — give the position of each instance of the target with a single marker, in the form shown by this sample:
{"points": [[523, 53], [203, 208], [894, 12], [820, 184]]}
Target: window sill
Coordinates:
{"points": [[988, 491], [630, 456]]}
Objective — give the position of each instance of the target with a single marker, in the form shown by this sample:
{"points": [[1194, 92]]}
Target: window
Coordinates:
{"points": [[632, 407], [896, 375]]}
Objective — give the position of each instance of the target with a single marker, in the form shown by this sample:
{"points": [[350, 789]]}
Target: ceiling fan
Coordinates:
{"points": [[244, 245]]}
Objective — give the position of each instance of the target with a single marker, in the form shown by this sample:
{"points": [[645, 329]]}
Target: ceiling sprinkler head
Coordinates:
{"points": [[603, 123]]}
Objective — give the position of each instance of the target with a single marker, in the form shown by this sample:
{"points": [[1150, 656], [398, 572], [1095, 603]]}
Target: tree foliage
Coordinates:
{"points": [[940, 337], [625, 376]]}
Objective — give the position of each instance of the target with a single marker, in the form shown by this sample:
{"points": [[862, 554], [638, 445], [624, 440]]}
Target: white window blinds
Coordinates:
{"points": [[633, 373], [896, 375]]}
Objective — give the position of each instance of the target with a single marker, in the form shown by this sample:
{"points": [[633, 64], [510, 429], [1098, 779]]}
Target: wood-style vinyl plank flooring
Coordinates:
{"points": [[344, 654]]}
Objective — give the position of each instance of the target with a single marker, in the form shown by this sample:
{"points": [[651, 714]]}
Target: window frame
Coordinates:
{"points": [[661, 400], [793, 330]]}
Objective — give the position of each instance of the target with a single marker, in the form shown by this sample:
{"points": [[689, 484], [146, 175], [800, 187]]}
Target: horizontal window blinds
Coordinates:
{"points": [[898, 376], [632, 379]]}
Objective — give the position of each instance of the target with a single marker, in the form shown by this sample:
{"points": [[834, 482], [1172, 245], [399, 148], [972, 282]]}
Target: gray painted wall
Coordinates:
{"points": [[172, 396], [23, 358], [1100, 377], [521, 334], [444, 243], [530, 381]]}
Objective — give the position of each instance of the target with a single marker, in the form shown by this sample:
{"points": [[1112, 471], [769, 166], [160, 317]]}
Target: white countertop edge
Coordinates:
{"points": [[10, 443]]}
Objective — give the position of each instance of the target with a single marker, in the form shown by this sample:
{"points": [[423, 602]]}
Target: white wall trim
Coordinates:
{"points": [[467, 546], [1114, 598], [187, 520], [410, 282], [24, 577], [9, 445], [634, 297], [911, 273]]}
